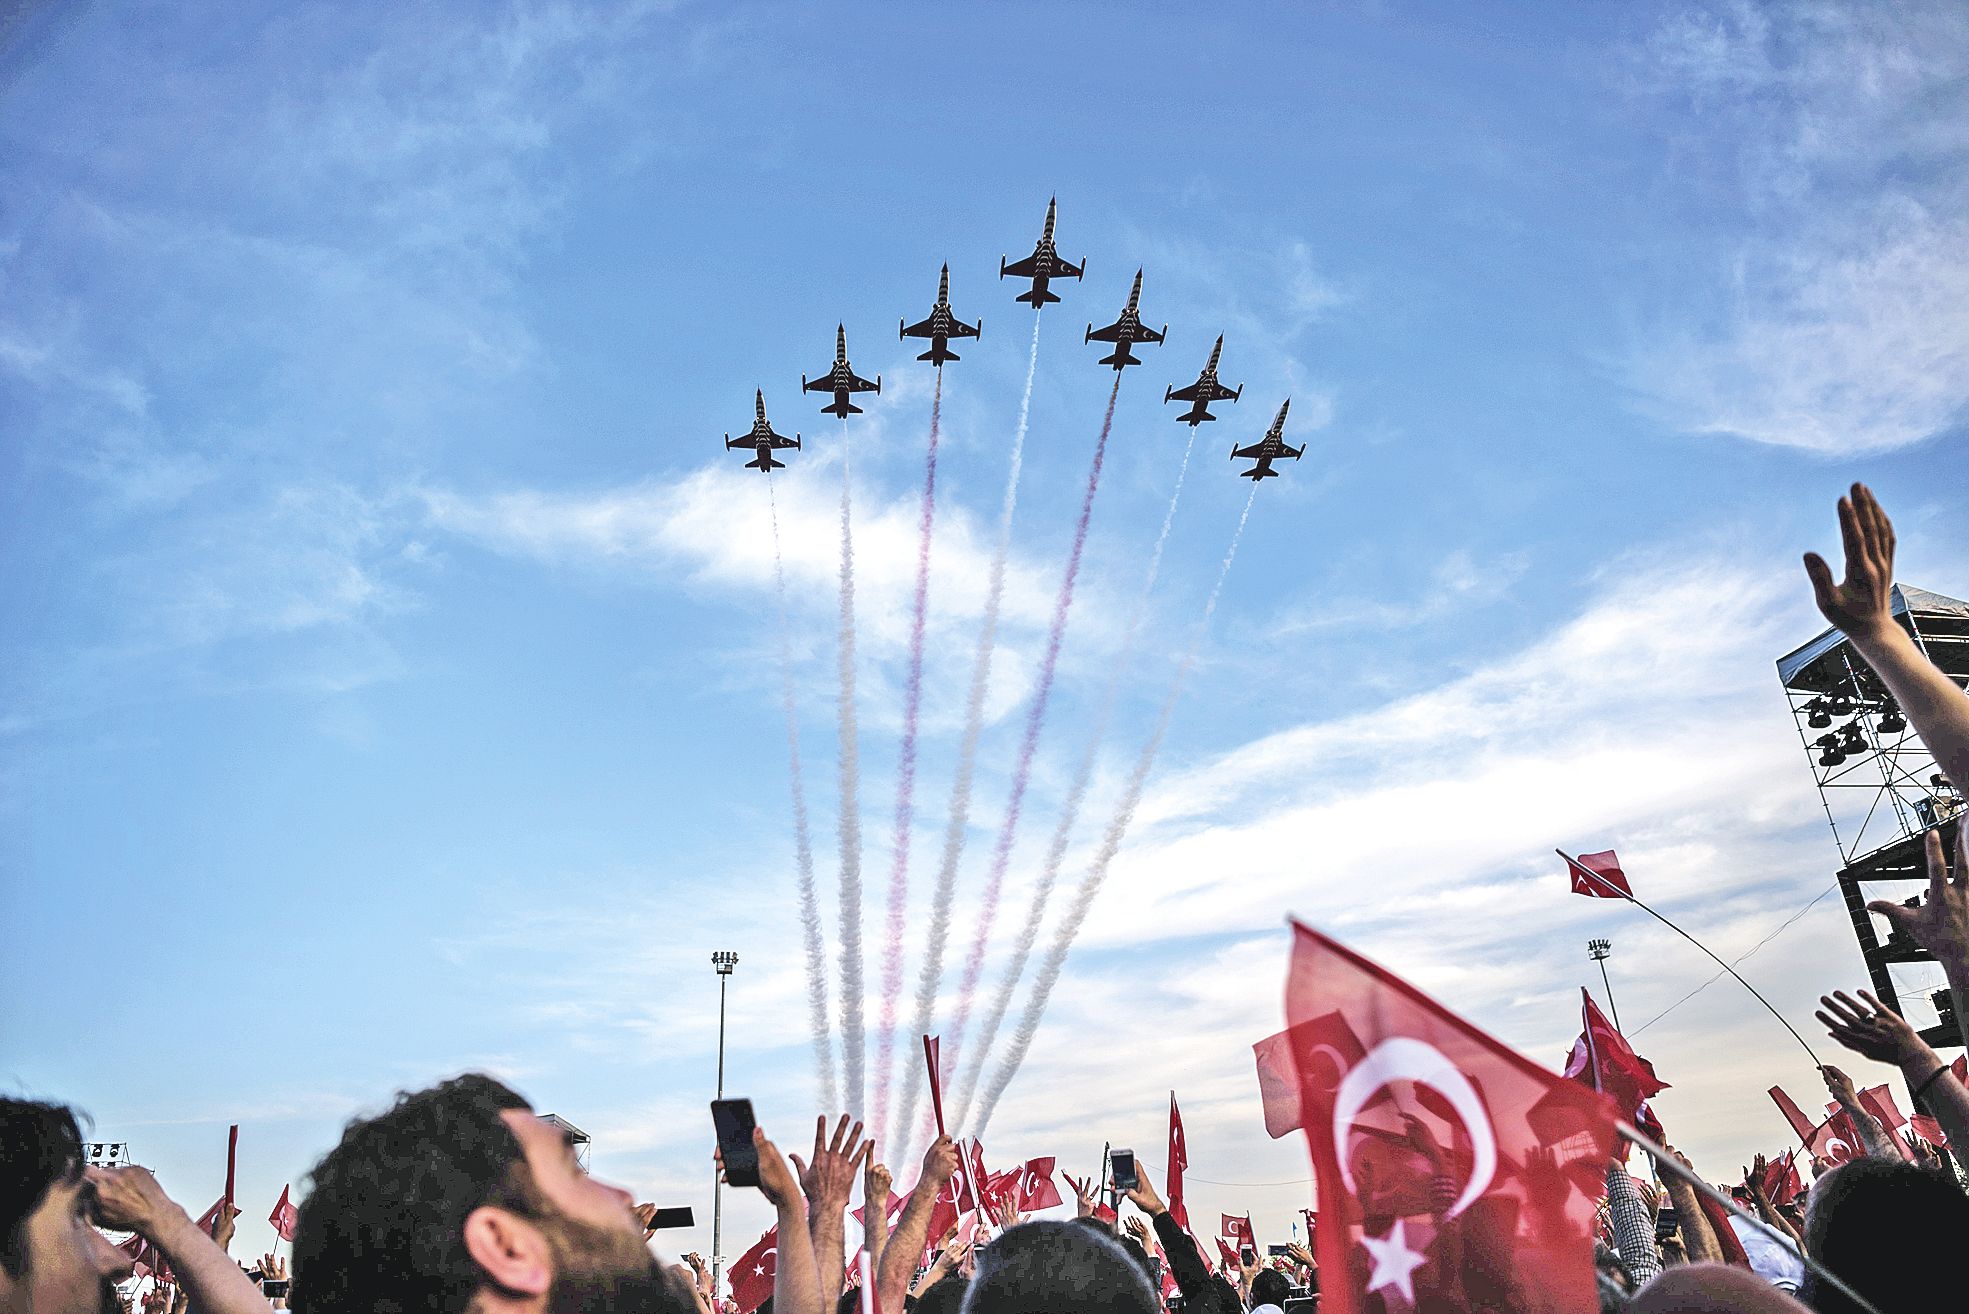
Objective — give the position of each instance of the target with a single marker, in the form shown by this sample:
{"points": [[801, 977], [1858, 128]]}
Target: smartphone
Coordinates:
{"points": [[1666, 1222], [1247, 1255], [735, 1125], [1121, 1168], [274, 1288], [1279, 1252], [679, 1216]]}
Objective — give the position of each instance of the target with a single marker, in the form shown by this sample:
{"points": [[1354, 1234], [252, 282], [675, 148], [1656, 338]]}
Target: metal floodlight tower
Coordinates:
{"points": [[1597, 950], [1881, 787], [723, 961]]}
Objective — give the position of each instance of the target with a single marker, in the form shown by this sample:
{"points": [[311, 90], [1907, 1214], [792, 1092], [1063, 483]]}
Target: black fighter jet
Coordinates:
{"points": [[840, 380], [1042, 265], [1205, 390], [940, 327], [1272, 447], [1129, 328], [762, 440]]}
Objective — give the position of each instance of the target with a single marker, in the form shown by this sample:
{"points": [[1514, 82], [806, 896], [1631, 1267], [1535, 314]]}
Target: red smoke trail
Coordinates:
{"points": [[1035, 721], [912, 702]]}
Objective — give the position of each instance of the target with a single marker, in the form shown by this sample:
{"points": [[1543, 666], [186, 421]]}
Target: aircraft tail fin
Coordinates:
{"points": [[931, 356], [1122, 356], [1037, 297]]}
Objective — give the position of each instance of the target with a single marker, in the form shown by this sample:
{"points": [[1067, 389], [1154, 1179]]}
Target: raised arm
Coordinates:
{"points": [[796, 1284], [913, 1227], [1861, 606], [130, 1200], [1877, 1032], [829, 1181], [875, 1183], [1697, 1238], [1185, 1263], [1941, 924], [1879, 1144]]}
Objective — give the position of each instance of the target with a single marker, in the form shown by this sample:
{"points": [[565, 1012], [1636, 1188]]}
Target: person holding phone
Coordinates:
{"points": [[1203, 1292]]}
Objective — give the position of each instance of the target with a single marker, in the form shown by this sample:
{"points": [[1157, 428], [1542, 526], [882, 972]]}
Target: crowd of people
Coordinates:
{"points": [[459, 1198]]}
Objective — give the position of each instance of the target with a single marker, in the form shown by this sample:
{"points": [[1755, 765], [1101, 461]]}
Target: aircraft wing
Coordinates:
{"points": [[856, 383], [1190, 393], [959, 329], [1025, 268], [780, 442], [920, 329], [1255, 452], [1112, 333], [1147, 334]]}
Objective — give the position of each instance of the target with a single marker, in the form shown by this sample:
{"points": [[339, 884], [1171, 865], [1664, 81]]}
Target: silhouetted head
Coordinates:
{"points": [[946, 1297], [1270, 1287], [52, 1258], [460, 1198], [1057, 1268], [1880, 1226]]}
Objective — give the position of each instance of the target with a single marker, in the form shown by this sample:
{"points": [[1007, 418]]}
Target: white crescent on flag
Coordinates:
{"points": [[1403, 1058]]}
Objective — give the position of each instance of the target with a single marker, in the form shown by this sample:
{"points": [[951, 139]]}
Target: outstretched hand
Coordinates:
{"points": [[939, 1164], [1875, 1032], [1860, 606], [1144, 1196], [1839, 1085], [129, 1199], [776, 1180], [829, 1179], [1941, 924]]}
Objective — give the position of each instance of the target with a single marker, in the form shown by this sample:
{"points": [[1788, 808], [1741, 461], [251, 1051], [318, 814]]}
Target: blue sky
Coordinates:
{"points": [[390, 680]]}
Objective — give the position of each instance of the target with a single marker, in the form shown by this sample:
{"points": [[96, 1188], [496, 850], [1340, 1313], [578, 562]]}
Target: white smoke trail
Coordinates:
{"points": [[803, 846], [854, 1039], [958, 819], [1056, 954], [1056, 849]]}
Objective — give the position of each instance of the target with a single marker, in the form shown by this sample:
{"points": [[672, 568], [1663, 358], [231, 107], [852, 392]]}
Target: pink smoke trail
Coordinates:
{"points": [[1001, 856], [912, 703], [957, 821], [1097, 871], [854, 1033], [1056, 849], [803, 845]]}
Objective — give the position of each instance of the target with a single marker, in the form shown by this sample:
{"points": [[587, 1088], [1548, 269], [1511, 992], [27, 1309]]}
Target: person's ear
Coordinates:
{"points": [[512, 1251]]}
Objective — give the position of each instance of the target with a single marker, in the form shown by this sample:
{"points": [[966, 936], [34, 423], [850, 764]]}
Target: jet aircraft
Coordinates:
{"points": [[840, 380], [1042, 265], [1128, 329], [762, 440], [1205, 390], [1272, 447], [940, 327]]}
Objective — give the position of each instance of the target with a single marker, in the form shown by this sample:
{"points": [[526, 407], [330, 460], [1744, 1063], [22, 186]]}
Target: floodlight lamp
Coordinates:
{"points": [[1598, 950], [724, 960], [1891, 721], [1816, 715], [1852, 740], [1840, 704], [1829, 751]]}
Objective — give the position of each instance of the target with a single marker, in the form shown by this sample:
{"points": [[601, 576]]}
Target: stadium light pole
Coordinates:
{"points": [[724, 960], [1598, 950]]}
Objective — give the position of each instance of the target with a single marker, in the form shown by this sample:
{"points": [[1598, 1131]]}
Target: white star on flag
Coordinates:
{"points": [[1394, 1262]]}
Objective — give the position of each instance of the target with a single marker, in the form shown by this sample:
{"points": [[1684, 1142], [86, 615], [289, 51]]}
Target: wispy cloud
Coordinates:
{"points": [[1841, 327]]}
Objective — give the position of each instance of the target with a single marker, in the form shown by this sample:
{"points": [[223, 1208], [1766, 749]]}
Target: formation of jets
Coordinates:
{"points": [[1044, 265]]}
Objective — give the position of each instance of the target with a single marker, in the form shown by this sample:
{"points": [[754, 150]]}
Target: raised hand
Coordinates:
{"points": [[1143, 1195], [130, 1200], [646, 1215], [1007, 1214], [875, 1184], [1302, 1256], [1839, 1085], [776, 1180], [830, 1178], [1083, 1194], [1875, 1032], [1860, 605], [1138, 1228], [939, 1163], [1941, 924]]}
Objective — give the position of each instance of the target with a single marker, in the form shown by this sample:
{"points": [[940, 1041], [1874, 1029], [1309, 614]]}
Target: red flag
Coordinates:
{"points": [[1036, 1188], [1524, 1150], [752, 1276], [284, 1216], [1278, 1087], [1780, 1181], [1169, 1284], [974, 1157], [1179, 1159], [1598, 876], [1602, 1058], [1326, 1046], [146, 1260], [1237, 1229], [1727, 1239], [890, 1210], [1311, 1223], [931, 1046], [232, 1159], [1835, 1139], [1879, 1101], [1928, 1129], [1228, 1255], [1105, 1213]]}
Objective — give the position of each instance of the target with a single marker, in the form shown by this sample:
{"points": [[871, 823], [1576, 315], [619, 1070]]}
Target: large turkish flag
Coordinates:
{"points": [[752, 1276], [1453, 1172]]}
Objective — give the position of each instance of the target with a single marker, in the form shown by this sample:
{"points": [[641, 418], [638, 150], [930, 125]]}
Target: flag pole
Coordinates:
{"points": [[1674, 1168], [1576, 865]]}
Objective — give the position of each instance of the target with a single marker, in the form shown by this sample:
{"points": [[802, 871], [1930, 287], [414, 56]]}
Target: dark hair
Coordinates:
{"points": [[383, 1225], [1049, 1267], [40, 1146], [1877, 1224], [945, 1296], [1270, 1287]]}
